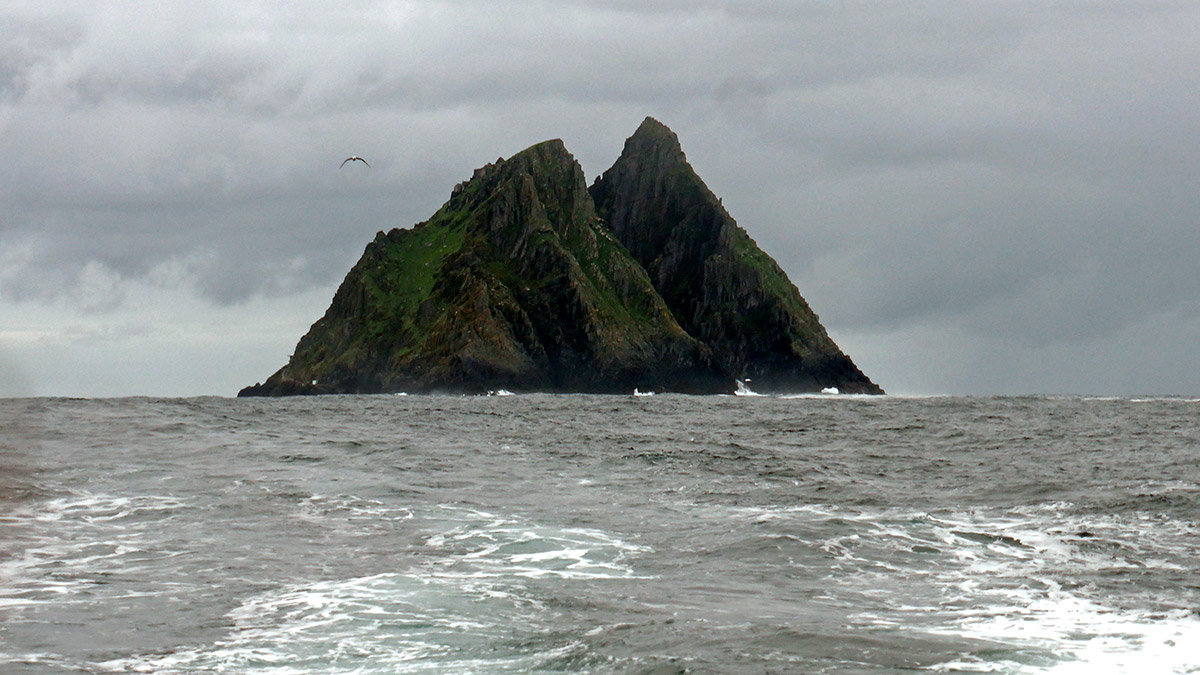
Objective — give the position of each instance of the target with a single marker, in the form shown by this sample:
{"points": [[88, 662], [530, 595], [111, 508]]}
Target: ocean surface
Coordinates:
{"points": [[600, 534]]}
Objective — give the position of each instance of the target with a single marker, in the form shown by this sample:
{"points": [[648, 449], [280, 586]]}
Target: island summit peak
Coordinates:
{"points": [[528, 280]]}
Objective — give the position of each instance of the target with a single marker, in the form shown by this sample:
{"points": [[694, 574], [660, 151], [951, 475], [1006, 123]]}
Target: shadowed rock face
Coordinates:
{"points": [[516, 283], [722, 288]]}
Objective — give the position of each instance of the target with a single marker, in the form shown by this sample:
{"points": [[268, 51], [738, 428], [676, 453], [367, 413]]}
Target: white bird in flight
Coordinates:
{"points": [[354, 159]]}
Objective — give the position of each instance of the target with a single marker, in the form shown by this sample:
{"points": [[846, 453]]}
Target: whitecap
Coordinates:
{"points": [[483, 545], [76, 540], [1048, 586], [743, 389], [381, 623]]}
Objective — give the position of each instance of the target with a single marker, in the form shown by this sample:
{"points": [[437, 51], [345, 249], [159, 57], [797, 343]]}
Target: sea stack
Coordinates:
{"points": [[720, 286], [520, 282]]}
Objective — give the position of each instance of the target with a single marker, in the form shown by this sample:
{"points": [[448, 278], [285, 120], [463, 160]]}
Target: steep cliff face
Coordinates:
{"points": [[519, 282], [514, 283], [720, 286]]}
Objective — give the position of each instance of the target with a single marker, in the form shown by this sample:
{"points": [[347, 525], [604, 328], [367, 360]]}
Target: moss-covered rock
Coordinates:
{"points": [[517, 283], [514, 283]]}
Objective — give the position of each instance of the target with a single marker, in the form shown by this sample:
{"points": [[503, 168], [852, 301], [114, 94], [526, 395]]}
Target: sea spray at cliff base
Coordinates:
{"points": [[599, 534]]}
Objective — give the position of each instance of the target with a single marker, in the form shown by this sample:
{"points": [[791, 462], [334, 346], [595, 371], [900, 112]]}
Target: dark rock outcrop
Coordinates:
{"points": [[517, 283], [513, 284], [721, 287]]}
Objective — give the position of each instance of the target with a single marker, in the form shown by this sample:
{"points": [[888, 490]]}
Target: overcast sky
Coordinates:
{"points": [[975, 197]]}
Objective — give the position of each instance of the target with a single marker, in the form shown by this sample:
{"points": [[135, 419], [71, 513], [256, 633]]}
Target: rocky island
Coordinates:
{"points": [[527, 280]]}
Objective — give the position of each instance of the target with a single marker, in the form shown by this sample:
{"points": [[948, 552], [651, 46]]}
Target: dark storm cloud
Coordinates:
{"points": [[1017, 174]]}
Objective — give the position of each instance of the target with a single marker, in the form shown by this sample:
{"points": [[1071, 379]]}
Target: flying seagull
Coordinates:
{"points": [[354, 159]]}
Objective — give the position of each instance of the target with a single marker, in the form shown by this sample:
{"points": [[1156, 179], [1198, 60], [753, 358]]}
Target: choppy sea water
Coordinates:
{"points": [[600, 534]]}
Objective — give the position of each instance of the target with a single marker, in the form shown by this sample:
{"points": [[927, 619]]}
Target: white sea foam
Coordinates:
{"points": [[463, 607], [834, 392], [768, 513], [1026, 580], [383, 623], [97, 508], [1021, 598], [484, 545], [366, 514], [1090, 638], [1026, 583], [67, 544], [743, 389]]}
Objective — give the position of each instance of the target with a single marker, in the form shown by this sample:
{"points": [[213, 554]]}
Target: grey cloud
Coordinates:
{"points": [[1040, 194], [1020, 174], [30, 43]]}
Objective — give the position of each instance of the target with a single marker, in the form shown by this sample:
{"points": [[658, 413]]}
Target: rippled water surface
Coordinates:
{"points": [[600, 534]]}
